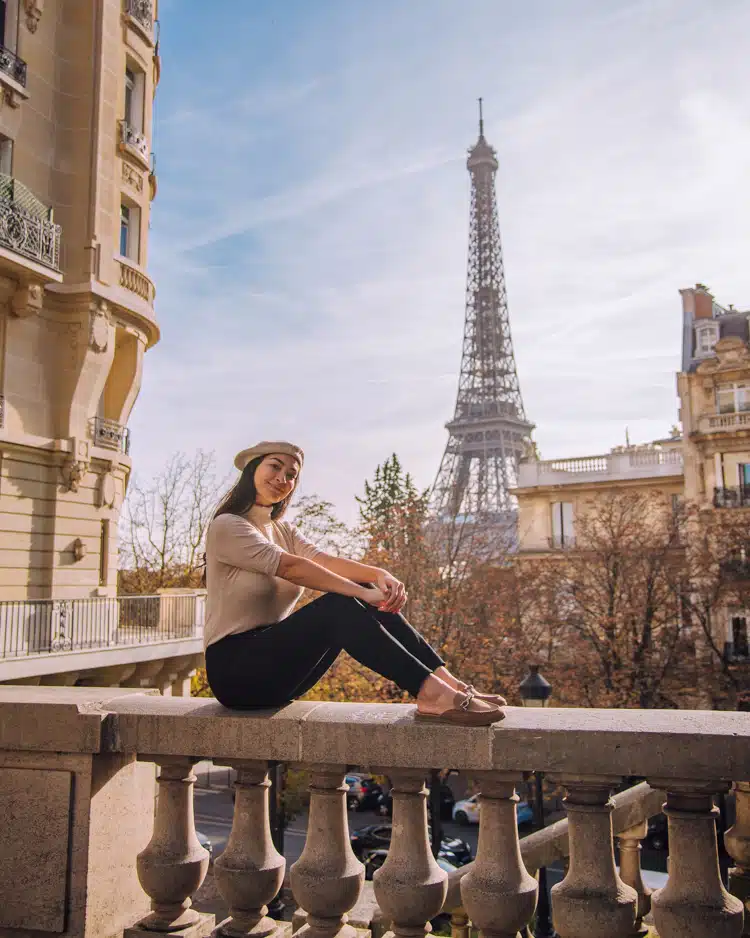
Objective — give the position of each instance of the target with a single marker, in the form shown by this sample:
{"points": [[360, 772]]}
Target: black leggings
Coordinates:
{"points": [[273, 664]]}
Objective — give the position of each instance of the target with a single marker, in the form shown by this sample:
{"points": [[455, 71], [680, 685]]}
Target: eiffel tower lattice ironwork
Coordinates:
{"points": [[489, 432]]}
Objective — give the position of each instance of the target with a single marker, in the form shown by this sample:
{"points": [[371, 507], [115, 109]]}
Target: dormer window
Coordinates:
{"points": [[706, 337]]}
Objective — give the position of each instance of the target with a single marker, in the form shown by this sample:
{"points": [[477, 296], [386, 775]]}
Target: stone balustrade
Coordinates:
{"points": [[81, 762]]}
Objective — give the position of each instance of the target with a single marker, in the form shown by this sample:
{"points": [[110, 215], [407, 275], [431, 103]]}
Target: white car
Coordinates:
{"points": [[467, 812]]}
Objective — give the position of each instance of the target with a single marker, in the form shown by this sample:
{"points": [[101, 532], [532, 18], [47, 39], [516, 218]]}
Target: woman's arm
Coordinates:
{"points": [[395, 594], [351, 569], [314, 576]]}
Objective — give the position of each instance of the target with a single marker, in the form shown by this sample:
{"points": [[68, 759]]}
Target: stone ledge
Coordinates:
{"points": [[56, 719]]}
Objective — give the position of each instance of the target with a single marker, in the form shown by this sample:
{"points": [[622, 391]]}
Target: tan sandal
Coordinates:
{"points": [[460, 715], [487, 698]]}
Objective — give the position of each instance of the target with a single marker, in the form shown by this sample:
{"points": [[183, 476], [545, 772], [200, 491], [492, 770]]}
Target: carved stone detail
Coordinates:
{"points": [[99, 327], [107, 490], [27, 300], [73, 472], [131, 177], [34, 10]]}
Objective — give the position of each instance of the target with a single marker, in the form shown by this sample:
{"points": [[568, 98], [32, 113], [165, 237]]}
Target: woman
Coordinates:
{"points": [[260, 653]]}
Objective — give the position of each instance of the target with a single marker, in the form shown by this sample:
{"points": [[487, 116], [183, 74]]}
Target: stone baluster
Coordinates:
{"points": [[327, 879], [592, 901], [410, 887], [498, 894], [630, 872], [174, 864], [460, 925], [694, 903], [250, 871], [737, 843]]}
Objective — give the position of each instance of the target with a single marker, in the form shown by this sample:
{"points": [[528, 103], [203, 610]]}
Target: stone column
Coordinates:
{"points": [[173, 865], [694, 903], [630, 872], [410, 887], [460, 925], [592, 901], [327, 879], [250, 871], [737, 843], [498, 894]]}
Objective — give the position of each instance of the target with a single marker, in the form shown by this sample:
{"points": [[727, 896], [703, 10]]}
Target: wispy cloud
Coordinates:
{"points": [[309, 239]]}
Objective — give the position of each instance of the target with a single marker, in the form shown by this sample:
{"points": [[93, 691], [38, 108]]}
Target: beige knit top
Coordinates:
{"points": [[241, 563]]}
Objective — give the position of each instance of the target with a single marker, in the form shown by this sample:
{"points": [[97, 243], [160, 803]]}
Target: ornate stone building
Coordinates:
{"points": [[77, 82], [707, 465]]}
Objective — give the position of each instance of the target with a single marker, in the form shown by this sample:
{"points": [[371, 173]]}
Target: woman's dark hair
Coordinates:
{"points": [[241, 497]]}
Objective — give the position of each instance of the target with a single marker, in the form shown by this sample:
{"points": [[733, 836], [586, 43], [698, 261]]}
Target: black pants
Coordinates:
{"points": [[273, 664]]}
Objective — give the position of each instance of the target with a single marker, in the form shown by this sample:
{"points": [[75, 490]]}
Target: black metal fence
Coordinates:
{"points": [[49, 626], [736, 497]]}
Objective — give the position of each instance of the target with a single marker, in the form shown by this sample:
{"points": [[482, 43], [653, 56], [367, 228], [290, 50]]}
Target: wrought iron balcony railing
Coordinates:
{"points": [[112, 435], [142, 12], [26, 224], [12, 65], [50, 626], [732, 497], [134, 140]]}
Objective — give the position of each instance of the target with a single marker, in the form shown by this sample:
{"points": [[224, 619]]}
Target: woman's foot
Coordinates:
{"points": [[445, 676], [437, 700]]}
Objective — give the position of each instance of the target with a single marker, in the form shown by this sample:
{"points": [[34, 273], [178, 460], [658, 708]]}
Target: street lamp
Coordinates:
{"points": [[535, 691]]}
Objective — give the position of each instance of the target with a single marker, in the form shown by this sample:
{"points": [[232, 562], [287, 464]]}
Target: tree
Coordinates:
{"points": [[164, 523], [613, 606]]}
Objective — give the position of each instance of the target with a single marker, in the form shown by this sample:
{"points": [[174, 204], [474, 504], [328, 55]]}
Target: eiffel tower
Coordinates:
{"points": [[489, 432]]}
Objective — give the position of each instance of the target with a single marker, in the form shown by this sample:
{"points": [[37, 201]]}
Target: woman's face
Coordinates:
{"points": [[275, 478]]}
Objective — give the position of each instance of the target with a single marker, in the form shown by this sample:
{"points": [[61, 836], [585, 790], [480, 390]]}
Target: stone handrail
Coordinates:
{"points": [[79, 763]]}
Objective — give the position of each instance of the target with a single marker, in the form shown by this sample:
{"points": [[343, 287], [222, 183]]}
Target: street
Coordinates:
{"points": [[213, 817]]}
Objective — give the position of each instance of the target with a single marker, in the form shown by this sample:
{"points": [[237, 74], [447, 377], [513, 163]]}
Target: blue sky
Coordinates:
{"points": [[309, 236]]}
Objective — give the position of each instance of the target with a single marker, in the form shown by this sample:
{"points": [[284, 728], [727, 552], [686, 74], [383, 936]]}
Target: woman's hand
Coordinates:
{"points": [[394, 590], [372, 595]]}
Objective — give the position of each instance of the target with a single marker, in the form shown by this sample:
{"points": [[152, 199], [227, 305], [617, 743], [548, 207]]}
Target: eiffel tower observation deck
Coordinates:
{"points": [[489, 432]]}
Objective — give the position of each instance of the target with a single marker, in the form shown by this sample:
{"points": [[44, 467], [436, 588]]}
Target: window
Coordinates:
{"points": [[562, 524], [6, 156], [744, 471], [706, 337], [739, 637], [3, 21], [104, 553], [130, 219], [135, 84], [733, 398]]}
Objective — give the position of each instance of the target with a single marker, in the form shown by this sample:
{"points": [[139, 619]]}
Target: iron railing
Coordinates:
{"points": [[142, 11], [26, 224], [49, 626], [111, 435], [12, 65], [134, 139], [732, 497]]}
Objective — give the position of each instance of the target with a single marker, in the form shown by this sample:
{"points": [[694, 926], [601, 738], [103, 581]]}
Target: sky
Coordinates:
{"points": [[309, 237]]}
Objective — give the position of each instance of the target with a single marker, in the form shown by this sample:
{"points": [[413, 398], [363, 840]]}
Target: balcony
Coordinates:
{"points": [[724, 423], [133, 279], [103, 875], [135, 144], [141, 13], [111, 435], [26, 225], [735, 497], [13, 66], [630, 464]]}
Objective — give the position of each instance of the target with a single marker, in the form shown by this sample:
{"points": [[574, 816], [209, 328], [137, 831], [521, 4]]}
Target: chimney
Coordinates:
{"points": [[704, 302]]}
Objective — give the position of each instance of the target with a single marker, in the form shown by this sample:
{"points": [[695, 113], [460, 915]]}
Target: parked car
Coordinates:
{"points": [[467, 812], [446, 803], [656, 834], [364, 793], [377, 837]]}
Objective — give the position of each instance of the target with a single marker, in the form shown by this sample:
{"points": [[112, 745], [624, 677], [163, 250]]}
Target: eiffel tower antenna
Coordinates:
{"points": [[489, 432]]}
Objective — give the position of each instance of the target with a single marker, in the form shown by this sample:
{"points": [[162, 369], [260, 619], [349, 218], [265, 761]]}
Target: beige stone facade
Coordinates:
{"points": [[707, 465], [77, 82]]}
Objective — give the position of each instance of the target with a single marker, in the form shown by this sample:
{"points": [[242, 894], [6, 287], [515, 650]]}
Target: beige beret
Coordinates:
{"points": [[267, 448]]}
